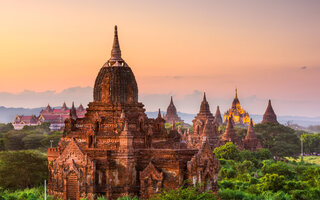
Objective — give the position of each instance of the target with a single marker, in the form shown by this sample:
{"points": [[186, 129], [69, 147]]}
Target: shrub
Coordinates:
{"points": [[228, 151], [189, 193], [273, 182], [280, 168]]}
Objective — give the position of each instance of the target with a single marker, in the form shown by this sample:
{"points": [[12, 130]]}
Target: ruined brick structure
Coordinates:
{"points": [[251, 142], [269, 116], [171, 115], [204, 127], [116, 150], [240, 116]]}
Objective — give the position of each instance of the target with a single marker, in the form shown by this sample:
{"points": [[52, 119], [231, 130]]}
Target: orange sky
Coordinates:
{"points": [[172, 46]]}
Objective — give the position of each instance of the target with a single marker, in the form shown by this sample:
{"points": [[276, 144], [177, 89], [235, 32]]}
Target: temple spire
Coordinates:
{"points": [[218, 117], [236, 94], [159, 114], [204, 97], [205, 108], [73, 112], [115, 52]]}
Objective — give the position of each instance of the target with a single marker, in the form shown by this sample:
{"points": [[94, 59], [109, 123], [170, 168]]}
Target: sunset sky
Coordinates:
{"points": [[267, 49]]}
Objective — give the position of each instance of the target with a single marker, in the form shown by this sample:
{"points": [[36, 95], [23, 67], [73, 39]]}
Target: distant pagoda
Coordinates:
{"points": [[204, 127], [230, 135], [240, 116], [218, 117], [171, 115], [270, 116], [251, 142]]}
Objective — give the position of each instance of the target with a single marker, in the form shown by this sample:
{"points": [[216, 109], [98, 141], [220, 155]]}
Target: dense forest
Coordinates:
{"points": [[274, 172]]}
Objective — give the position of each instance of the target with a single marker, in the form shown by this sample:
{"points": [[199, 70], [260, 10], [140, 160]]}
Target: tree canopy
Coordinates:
{"points": [[22, 169]]}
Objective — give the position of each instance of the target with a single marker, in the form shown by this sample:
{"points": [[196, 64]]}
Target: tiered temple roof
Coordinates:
{"points": [[204, 127]]}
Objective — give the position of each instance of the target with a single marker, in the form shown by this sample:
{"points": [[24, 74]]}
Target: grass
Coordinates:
{"points": [[307, 159]]}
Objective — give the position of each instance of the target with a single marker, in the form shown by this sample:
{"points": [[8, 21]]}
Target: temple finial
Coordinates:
{"points": [[116, 52], [204, 97], [236, 95], [171, 101]]}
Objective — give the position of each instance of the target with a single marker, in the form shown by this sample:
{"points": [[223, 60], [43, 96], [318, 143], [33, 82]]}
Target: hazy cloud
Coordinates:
{"points": [[187, 103], [303, 67]]}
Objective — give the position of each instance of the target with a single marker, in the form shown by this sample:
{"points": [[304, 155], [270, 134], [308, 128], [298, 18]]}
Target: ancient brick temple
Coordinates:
{"points": [[204, 127], [171, 115], [230, 136], [269, 116], [116, 150], [240, 116], [251, 142]]}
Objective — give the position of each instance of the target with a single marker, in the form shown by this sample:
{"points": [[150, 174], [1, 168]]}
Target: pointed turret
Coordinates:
{"points": [[250, 133], [80, 108], [204, 108], [116, 52], [73, 112], [235, 100], [218, 117], [48, 108], [270, 116], [64, 106], [251, 142], [230, 135], [159, 114], [172, 115]]}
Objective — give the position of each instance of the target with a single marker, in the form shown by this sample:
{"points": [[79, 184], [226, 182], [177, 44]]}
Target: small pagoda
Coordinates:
{"points": [[172, 115], [270, 116], [251, 142]]}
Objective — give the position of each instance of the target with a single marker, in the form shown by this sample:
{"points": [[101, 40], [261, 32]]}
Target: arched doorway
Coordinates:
{"points": [[72, 187]]}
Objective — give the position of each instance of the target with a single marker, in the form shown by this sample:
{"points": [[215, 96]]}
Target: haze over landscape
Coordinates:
{"points": [[52, 50]]}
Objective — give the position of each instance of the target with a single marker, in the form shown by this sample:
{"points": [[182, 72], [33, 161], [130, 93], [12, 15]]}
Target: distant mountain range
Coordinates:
{"points": [[301, 121], [8, 114]]}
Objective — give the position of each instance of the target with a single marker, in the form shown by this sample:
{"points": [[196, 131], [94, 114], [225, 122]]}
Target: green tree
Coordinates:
{"points": [[311, 142], [55, 137], [33, 141], [228, 151], [13, 140], [279, 139], [6, 127], [279, 168], [22, 169]]}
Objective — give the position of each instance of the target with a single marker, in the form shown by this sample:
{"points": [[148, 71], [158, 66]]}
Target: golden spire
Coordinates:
{"points": [[236, 95], [115, 52]]}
